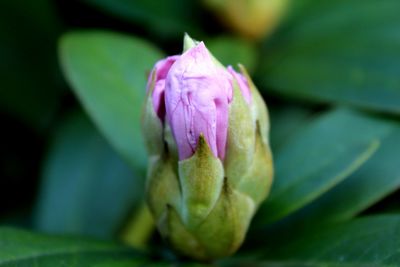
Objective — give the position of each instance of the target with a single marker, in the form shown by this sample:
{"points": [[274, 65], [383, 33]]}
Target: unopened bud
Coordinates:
{"points": [[210, 164]]}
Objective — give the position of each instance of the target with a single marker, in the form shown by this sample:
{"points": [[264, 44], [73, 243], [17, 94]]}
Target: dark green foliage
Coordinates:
{"points": [[22, 248], [86, 188], [343, 51]]}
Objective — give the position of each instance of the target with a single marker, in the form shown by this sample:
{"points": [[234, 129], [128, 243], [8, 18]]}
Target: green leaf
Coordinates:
{"points": [[343, 51], [231, 51], [86, 188], [107, 71], [370, 241], [376, 179], [379, 177], [165, 19], [286, 121], [322, 154], [22, 248], [266, 263]]}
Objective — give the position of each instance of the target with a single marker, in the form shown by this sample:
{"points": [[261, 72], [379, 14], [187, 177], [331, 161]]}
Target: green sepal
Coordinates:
{"points": [[225, 228], [181, 238], [241, 137], [162, 187], [189, 42], [152, 127], [201, 178], [171, 146], [220, 234], [261, 110], [256, 183]]}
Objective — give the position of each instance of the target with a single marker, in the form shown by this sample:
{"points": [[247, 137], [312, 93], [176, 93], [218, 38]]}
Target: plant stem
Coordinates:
{"points": [[139, 228]]}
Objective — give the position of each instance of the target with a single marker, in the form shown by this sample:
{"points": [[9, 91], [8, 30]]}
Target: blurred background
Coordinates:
{"points": [[329, 71]]}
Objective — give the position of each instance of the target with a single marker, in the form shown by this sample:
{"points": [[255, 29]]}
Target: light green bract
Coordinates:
{"points": [[203, 205]]}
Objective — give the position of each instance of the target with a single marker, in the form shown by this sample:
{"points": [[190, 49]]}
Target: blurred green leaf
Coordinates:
{"points": [[28, 66], [286, 121], [325, 152], [232, 51], [375, 180], [344, 51], [370, 241], [86, 188], [120, 263], [108, 73], [293, 263], [22, 248], [379, 177], [165, 19], [365, 242]]}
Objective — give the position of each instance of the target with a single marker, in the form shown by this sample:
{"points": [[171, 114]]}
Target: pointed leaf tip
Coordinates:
{"points": [[189, 42]]}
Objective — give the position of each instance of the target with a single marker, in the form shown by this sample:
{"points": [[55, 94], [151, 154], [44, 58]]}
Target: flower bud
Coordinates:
{"points": [[210, 165], [253, 19]]}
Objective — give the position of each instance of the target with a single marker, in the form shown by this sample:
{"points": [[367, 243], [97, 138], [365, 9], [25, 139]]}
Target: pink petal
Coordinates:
{"points": [[197, 97], [161, 68]]}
